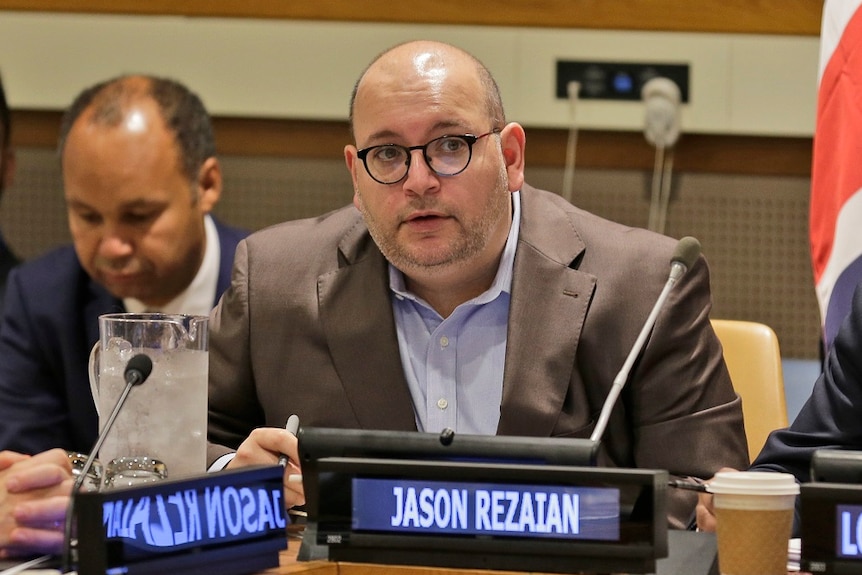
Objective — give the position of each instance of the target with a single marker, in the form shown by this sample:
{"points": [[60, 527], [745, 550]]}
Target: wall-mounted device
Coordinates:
{"points": [[617, 80]]}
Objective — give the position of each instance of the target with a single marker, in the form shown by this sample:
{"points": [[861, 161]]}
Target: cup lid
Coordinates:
{"points": [[753, 483]]}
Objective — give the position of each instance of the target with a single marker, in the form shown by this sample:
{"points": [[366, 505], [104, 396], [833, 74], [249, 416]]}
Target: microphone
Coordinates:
{"points": [[137, 371], [446, 436], [686, 253], [139, 368]]}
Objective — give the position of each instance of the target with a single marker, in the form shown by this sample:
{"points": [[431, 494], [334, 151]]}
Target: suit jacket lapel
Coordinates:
{"points": [[357, 318], [547, 311]]}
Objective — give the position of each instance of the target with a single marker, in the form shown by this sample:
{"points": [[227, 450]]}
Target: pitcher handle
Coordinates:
{"points": [[93, 372]]}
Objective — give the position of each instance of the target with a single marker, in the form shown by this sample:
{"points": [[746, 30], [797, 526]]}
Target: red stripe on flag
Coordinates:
{"points": [[837, 166]]}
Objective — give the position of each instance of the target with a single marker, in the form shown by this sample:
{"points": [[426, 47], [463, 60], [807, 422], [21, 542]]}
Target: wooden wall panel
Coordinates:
{"points": [[800, 17], [754, 155]]}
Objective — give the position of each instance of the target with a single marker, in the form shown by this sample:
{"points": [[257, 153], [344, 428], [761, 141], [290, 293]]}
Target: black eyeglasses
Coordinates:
{"points": [[446, 156]]}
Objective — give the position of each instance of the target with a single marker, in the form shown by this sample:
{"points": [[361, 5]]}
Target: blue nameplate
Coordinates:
{"points": [[831, 527], [232, 520], [485, 502], [831, 513], [477, 509]]}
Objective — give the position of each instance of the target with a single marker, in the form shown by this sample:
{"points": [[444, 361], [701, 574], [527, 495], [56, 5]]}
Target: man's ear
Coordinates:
{"points": [[209, 184], [513, 141], [351, 160]]}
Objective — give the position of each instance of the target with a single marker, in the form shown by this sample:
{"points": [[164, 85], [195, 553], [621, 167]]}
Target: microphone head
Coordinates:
{"points": [[138, 369], [686, 252], [447, 435]]}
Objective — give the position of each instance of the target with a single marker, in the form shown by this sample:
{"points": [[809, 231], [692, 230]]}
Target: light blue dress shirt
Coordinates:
{"points": [[454, 366]]}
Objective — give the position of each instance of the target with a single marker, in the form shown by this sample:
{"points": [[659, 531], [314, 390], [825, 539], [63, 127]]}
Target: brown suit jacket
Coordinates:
{"points": [[307, 328]]}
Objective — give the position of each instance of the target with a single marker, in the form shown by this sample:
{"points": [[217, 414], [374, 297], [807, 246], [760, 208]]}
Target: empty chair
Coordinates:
{"points": [[753, 359]]}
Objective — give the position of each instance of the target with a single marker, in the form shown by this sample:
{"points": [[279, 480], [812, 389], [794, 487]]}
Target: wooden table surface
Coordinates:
{"points": [[290, 566]]}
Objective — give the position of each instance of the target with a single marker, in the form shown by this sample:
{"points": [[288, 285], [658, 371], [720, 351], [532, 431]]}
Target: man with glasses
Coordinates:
{"points": [[452, 294]]}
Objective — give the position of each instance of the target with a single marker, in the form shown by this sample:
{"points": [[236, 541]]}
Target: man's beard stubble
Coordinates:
{"points": [[471, 241]]}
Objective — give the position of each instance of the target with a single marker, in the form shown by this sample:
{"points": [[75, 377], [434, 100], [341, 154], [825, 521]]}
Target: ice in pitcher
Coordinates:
{"points": [[164, 418]]}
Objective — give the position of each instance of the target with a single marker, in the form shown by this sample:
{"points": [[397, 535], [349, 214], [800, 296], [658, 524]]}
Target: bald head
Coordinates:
{"points": [[430, 64], [108, 103]]}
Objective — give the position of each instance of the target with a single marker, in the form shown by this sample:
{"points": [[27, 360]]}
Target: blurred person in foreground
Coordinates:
{"points": [[140, 178], [8, 259], [452, 294], [830, 419]]}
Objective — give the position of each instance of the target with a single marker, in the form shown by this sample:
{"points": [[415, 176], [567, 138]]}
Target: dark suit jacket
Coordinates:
{"points": [[50, 323], [832, 416], [311, 331], [8, 260]]}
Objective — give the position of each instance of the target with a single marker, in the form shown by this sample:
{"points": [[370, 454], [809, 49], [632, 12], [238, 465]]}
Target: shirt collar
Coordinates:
{"points": [[198, 298], [502, 281]]}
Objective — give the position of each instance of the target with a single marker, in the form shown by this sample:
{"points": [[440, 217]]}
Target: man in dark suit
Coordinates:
{"points": [[140, 178], [7, 172], [452, 294], [831, 418]]}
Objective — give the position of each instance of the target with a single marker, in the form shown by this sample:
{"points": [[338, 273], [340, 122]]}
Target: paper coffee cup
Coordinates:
{"points": [[754, 513]]}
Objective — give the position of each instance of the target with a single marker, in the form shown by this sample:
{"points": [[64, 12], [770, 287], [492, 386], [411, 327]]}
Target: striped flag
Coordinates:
{"points": [[836, 178]]}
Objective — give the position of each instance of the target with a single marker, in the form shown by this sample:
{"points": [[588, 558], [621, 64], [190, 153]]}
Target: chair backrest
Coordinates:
{"points": [[753, 359]]}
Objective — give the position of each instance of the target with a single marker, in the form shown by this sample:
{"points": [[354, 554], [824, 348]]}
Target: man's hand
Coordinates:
{"points": [[263, 447], [9, 458], [34, 494], [705, 511]]}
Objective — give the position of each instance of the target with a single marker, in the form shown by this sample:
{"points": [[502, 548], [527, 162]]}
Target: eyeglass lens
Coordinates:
{"points": [[446, 156]]}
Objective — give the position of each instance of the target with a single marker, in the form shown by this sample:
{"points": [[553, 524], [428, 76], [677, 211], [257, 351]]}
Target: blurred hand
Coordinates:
{"points": [[263, 447], [8, 458], [705, 511], [34, 494]]}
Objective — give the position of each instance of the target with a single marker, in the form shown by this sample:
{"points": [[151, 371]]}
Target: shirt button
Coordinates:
{"points": [[442, 403], [444, 341]]}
